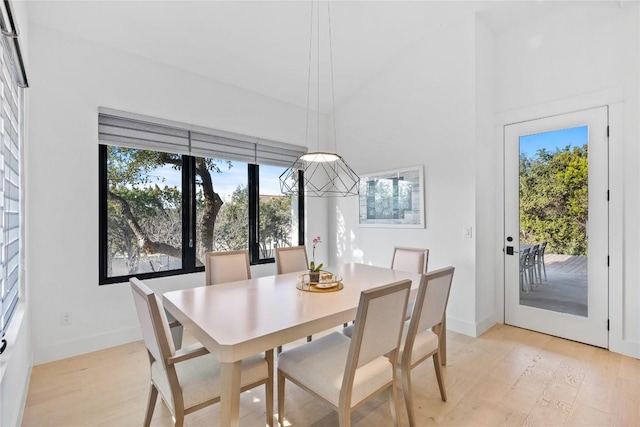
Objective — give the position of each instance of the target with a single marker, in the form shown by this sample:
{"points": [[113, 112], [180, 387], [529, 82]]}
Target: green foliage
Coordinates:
{"points": [[145, 214], [554, 199], [313, 267], [232, 230]]}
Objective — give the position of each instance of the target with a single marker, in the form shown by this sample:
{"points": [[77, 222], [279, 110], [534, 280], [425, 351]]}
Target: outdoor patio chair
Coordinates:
{"points": [[524, 281], [539, 261]]}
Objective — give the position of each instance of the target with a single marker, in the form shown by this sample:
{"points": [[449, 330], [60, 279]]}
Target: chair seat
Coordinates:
{"points": [[426, 343], [200, 377], [328, 355]]}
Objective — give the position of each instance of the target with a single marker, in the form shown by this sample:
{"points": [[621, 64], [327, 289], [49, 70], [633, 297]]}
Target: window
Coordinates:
{"points": [[162, 209], [10, 162]]}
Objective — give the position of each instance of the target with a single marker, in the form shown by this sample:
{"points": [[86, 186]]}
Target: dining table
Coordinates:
{"points": [[239, 319]]}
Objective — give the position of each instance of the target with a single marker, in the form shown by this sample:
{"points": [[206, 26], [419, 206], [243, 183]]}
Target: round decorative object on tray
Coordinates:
{"points": [[327, 282]]}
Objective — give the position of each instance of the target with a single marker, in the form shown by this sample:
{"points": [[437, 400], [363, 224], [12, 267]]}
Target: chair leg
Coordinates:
{"points": [[344, 417], [280, 398], [151, 404], [408, 393], [269, 388], [436, 365], [179, 419], [392, 395]]}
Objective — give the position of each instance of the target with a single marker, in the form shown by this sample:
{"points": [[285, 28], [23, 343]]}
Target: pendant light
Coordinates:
{"points": [[323, 174]]}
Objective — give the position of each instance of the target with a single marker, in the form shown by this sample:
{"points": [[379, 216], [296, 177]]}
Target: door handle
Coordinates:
{"points": [[509, 250]]}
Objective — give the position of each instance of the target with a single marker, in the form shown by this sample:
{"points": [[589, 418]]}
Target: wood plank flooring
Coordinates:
{"points": [[506, 377]]}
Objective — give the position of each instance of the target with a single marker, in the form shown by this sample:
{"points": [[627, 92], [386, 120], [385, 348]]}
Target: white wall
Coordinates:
{"points": [[419, 111], [488, 216], [577, 53], [70, 79]]}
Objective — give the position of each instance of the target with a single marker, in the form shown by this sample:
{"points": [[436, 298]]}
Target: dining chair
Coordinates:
{"points": [[344, 373], [410, 259], [414, 260], [229, 266], [423, 334], [292, 259], [220, 267], [189, 379]]}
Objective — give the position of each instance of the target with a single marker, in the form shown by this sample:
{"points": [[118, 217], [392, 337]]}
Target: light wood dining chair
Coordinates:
{"points": [[229, 266], [189, 379], [415, 260], [345, 373], [423, 334], [290, 260]]}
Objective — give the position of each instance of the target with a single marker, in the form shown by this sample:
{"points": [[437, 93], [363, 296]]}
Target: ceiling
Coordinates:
{"points": [[264, 46]]}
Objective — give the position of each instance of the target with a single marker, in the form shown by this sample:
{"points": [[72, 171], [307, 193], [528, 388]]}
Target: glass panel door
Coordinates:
{"points": [[556, 225]]}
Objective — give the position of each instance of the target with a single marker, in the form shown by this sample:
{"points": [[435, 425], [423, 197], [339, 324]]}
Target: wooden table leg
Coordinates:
{"points": [[230, 393]]}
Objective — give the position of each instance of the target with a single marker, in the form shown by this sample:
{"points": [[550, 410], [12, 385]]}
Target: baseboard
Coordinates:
{"points": [[485, 324], [461, 326], [631, 348], [85, 345]]}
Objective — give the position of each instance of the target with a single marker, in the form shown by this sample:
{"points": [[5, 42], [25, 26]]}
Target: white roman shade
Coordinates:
{"points": [[136, 131]]}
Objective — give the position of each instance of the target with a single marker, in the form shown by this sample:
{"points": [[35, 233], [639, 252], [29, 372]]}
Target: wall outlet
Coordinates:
{"points": [[65, 318], [468, 232]]}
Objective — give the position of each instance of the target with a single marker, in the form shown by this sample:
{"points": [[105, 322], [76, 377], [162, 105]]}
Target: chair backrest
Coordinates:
{"points": [[524, 254], [410, 259], [378, 325], [431, 300], [223, 267], [289, 260], [543, 247], [153, 322], [529, 260]]}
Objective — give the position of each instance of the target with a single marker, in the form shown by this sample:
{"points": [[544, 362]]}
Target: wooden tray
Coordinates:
{"points": [[328, 284]]}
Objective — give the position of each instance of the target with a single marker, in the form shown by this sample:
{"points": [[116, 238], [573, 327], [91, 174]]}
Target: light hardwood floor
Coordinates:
{"points": [[508, 376]]}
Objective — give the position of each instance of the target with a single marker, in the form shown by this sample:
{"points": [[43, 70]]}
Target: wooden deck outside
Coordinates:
{"points": [[565, 289]]}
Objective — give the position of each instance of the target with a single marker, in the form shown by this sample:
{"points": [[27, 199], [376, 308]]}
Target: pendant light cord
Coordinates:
{"points": [[333, 96], [306, 128]]}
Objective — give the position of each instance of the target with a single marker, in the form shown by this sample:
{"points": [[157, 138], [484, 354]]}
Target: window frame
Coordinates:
{"points": [[188, 220]]}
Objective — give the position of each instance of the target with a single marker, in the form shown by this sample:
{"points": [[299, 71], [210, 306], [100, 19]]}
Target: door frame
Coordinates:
{"points": [[612, 98]]}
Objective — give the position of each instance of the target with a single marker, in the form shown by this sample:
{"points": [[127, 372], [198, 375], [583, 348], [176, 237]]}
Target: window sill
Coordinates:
{"points": [[11, 336]]}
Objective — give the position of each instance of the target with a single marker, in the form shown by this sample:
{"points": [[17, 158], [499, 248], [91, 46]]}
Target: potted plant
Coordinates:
{"points": [[314, 270]]}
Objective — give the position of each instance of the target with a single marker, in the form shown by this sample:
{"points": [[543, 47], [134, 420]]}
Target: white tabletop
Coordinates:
{"points": [[240, 319]]}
